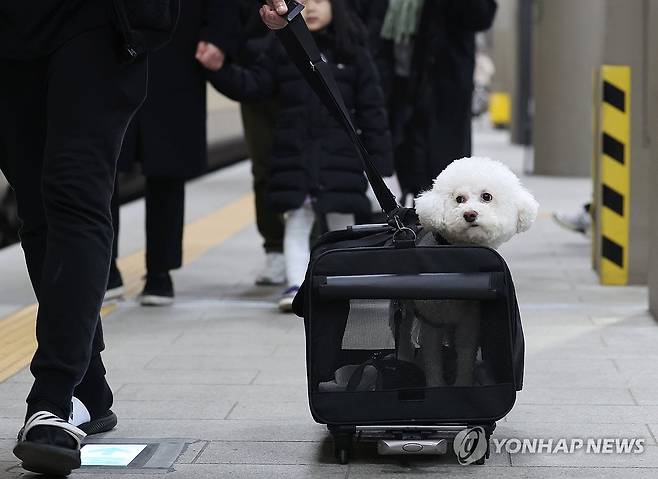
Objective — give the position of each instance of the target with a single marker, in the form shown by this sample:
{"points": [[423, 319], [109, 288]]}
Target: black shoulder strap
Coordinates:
{"points": [[304, 53]]}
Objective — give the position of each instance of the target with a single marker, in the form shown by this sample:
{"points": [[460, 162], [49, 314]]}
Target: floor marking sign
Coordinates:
{"points": [[110, 454]]}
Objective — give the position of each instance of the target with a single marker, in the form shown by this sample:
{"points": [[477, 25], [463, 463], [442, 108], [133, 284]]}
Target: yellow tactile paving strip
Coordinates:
{"points": [[17, 331]]}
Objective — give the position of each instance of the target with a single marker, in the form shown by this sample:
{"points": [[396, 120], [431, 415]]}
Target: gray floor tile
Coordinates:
{"points": [[488, 471], [192, 409], [210, 363], [241, 471], [265, 410], [10, 470], [192, 452], [280, 452], [645, 395], [648, 458], [182, 392], [190, 376], [6, 446], [575, 395], [583, 413], [224, 430]]}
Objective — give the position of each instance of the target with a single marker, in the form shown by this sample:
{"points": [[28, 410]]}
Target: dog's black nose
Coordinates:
{"points": [[470, 216]]}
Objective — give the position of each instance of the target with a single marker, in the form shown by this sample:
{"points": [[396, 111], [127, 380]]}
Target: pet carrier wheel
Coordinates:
{"points": [[343, 456], [343, 443], [488, 431]]}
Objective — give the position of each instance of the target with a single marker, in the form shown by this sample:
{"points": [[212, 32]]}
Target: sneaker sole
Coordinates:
{"points": [[102, 424], [149, 300], [115, 293], [269, 282], [568, 226], [46, 459], [285, 306]]}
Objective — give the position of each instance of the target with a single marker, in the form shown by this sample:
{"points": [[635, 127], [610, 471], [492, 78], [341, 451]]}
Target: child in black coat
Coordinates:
{"points": [[314, 172]]}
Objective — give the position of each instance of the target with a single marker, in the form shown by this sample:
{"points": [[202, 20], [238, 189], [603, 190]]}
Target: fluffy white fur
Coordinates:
{"points": [[488, 193], [511, 210]]}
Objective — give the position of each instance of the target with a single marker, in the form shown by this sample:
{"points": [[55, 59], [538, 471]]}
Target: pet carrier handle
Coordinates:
{"points": [[473, 286], [305, 54]]}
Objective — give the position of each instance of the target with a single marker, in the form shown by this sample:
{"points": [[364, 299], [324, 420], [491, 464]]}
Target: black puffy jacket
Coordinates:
{"points": [[312, 155]]}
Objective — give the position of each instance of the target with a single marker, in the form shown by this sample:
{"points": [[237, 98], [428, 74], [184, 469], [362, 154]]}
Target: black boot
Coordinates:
{"points": [[158, 290]]}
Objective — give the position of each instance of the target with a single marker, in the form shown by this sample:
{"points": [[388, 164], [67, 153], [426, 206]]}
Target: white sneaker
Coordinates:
{"points": [[79, 412], [286, 299], [580, 221], [274, 272]]}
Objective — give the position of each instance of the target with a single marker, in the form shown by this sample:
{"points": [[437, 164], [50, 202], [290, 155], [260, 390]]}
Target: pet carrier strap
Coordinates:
{"points": [[304, 52]]}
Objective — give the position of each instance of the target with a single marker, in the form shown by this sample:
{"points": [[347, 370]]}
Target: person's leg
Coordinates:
{"points": [[114, 210], [93, 390], [296, 250], [22, 140], [296, 243], [91, 98], [258, 120], [165, 220], [115, 281]]}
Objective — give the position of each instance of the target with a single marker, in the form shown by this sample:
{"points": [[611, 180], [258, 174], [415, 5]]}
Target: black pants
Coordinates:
{"points": [[165, 219], [62, 120], [258, 120]]}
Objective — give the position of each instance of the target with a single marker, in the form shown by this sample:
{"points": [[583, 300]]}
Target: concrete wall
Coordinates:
{"points": [[652, 116], [567, 47], [626, 42], [503, 46]]}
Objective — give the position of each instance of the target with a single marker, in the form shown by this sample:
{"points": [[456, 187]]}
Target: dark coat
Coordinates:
{"points": [[431, 118], [30, 30], [312, 155], [372, 14], [168, 135]]}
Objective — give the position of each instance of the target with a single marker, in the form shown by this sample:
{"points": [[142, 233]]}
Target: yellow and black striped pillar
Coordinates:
{"points": [[614, 175]]}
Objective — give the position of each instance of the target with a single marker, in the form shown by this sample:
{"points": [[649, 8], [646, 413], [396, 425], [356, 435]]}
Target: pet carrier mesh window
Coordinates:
{"points": [[423, 340]]}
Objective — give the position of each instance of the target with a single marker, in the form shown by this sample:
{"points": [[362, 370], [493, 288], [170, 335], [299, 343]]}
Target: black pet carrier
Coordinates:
{"points": [[409, 340]]}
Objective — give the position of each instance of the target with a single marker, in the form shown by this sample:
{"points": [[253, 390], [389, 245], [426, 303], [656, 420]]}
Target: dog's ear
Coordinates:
{"points": [[527, 207], [430, 208]]}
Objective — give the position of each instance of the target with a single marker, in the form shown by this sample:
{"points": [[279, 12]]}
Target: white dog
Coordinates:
{"points": [[474, 201]]}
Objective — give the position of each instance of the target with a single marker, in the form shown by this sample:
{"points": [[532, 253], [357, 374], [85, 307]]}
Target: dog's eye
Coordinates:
{"points": [[486, 197], [461, 199]]}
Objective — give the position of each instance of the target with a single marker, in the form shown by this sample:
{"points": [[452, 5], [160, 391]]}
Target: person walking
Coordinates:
{"points": [[167, 138], [315, 175], [431, 45], [71, 80], [258, 120], [372, 14]]}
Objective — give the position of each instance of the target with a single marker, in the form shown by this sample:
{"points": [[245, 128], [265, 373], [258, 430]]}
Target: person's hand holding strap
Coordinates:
{"points": [[272, 12]]}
